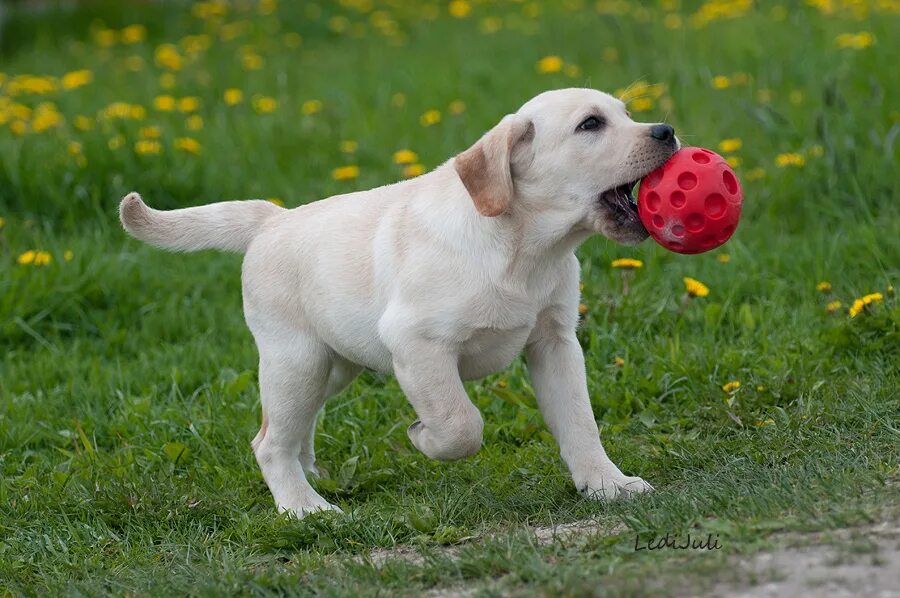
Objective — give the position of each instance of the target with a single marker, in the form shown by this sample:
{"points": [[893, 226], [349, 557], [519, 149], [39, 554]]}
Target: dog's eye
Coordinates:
{"points": [[592, 123]]}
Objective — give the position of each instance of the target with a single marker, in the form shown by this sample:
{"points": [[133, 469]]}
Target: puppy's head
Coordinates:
{"points": [[567, 160]]}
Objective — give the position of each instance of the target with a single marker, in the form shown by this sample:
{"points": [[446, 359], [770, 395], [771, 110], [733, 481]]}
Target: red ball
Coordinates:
{"points": [[692, 203]]}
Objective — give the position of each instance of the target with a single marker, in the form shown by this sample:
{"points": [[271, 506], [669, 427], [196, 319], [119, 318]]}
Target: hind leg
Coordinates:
{"points": [[293, 376], [342, 373]]}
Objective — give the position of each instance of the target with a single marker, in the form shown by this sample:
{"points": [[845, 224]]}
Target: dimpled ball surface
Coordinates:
{"points": [[692, 203]]}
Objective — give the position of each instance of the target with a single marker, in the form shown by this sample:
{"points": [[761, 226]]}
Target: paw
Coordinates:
{"points": [[611, 487], [456, 441], [301, 509]]}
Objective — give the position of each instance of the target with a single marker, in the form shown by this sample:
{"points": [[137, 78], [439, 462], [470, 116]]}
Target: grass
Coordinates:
{"points": [[128, 389]]}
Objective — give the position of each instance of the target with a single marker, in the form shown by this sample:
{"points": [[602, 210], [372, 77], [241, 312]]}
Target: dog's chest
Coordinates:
{"points": [[488, 350]]}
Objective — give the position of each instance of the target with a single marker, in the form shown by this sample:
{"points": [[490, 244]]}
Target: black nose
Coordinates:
{"points": [[662, 132]]}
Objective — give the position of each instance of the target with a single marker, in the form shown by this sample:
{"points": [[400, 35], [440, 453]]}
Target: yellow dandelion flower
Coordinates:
{"points": [[459, 9], [405, 156], [721, 82], [188, 104], [457, 107], [638, 89], [146, 147], [768, 422], [76, 79], [348, 147], [823, 287], [168, 57], [856, 308], [728, 146], [627, 263], [31, 84], [68, 254], [345, 173], [311, 107], [641, 104], [164, 103], [105, 37], [734, 161], [872, 298], [74, 148], [731, 386], [754, 174], [133, 34], [233, 96], [833, 306], [18, 127], [267, 7], [153, 132], [35, 258], [116, 142], [265, 104], [188, 144], [618, 361], [46, 117], [549, 64], [855, 41], [723, 258], [194, 122], [430, 117], [790, 159], [195, 44], [582, 309], [83, 123], [764, 96], [412, 170], [209, 10], [695, 288], [252, 62]]}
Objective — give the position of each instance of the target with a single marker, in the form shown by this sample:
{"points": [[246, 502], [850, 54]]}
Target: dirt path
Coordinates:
{"points": [[861, 561], [857, 561]]}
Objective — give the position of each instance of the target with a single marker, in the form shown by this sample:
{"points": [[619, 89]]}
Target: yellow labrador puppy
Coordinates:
{"points": [[438, 279]]}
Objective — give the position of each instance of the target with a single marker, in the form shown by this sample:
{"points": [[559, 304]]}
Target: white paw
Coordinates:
{"points": [[611, 487], [301, 510]]}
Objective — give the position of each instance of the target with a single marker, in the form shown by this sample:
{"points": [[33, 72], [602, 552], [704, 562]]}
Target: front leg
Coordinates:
{"points": [[449, 425], [556, 365]]}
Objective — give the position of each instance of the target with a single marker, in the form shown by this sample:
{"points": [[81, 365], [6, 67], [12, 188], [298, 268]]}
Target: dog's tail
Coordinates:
{"points": [[229, 225]]}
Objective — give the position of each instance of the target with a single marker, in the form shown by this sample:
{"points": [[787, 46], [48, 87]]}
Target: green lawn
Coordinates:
{"points": [[128, 388]]}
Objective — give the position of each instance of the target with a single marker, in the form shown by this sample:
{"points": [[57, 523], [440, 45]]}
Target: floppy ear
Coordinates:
{"points": [[485, 167]]}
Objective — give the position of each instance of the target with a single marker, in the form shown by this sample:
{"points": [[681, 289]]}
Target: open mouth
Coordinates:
{"points": [[621, 201]]}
